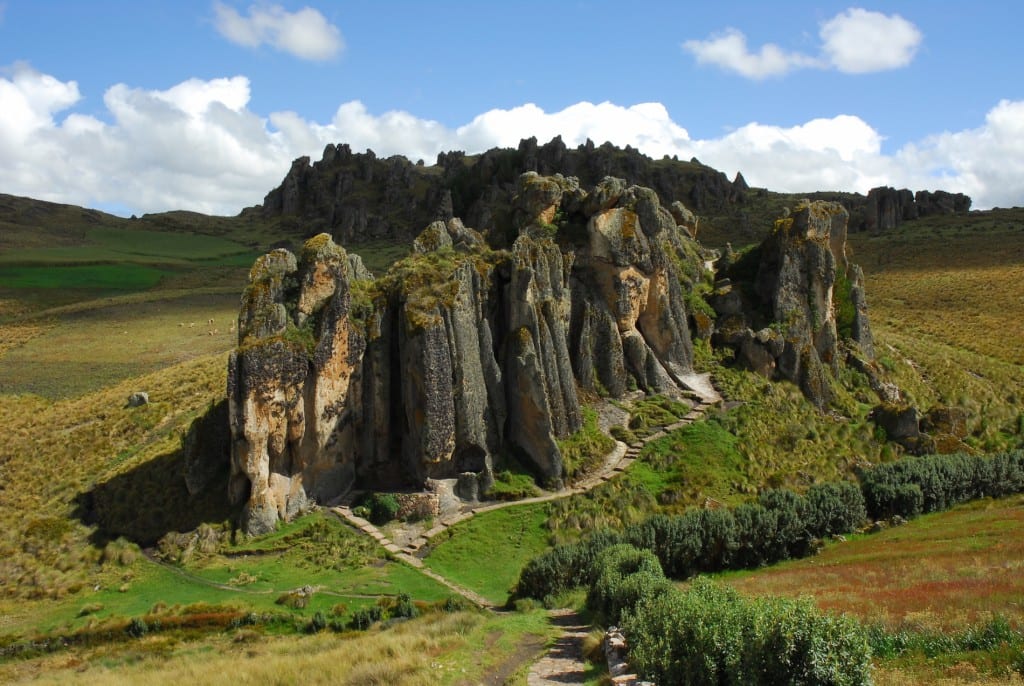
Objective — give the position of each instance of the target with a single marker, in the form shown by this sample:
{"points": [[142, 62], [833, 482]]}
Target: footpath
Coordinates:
{"points": [[563, 663]]}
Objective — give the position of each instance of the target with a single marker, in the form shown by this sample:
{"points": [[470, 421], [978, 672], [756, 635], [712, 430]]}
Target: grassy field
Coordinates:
{"points": [[442, 648], [485, 553], [938, 575], [80, 351]]}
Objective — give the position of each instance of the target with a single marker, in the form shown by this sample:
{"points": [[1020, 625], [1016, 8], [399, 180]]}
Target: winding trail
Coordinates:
{"points": [[616, 462], [563, 663]]}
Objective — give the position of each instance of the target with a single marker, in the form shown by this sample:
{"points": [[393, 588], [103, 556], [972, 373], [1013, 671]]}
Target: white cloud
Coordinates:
{"points": [[198, 146], [729, 51], [854, 42], [858, 41], [305, 34]]}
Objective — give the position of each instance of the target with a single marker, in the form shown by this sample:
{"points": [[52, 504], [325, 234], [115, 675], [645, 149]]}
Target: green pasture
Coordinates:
{"points": [[103, 244], [486, 553]]}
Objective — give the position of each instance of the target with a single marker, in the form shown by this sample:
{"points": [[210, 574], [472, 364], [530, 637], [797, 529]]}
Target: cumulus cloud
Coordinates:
{"points": [[199, 146], [729, 51], [856, 41], [306, 34]]}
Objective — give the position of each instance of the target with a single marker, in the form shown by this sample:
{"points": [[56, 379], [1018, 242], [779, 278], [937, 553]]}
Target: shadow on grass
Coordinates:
{"points": [[176, 491]]}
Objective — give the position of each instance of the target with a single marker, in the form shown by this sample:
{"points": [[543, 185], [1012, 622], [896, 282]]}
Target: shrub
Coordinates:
{"points": [[564, 567], [364, 618], [942, 480], [382, 507], [137, 627], [793, 537], [625, 576], [710, 635], [403, 607], [318, 623], [835, 508]]}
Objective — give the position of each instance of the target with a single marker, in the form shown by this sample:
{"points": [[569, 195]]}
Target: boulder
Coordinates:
{"points": [[138, 398]]}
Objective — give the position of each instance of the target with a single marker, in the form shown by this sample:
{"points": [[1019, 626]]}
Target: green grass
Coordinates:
{"points": [[697, 461], [486, 553], [585, 450], [379, 255], [647, 415], [316, 550], [106, 244], [96, 277], [83, 351]]}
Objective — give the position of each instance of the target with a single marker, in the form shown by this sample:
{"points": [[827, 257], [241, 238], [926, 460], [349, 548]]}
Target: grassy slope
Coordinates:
{"points": [[942, 573], [948, 314], [487, 552]]}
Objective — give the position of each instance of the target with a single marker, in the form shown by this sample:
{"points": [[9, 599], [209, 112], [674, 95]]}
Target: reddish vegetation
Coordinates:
{"points": [[941, 571]]}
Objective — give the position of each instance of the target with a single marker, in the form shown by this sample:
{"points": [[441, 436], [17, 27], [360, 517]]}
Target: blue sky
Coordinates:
{"points": [[139, 107]]}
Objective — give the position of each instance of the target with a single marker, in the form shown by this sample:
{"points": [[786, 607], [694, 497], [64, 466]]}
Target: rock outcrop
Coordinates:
{"points": [[358, 197], [886, 208], [786, 305], [459, 353]]}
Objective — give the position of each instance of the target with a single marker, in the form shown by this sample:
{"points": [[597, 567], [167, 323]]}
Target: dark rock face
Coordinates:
{"points": [[941, 202], [459, 352], [358, 197], [788, 304], [886, 208]]}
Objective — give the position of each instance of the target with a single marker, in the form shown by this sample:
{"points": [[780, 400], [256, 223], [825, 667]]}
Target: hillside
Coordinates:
{"points": [[95, 307]]}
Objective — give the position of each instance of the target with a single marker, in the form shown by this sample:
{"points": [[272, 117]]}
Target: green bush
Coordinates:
{"points": [[941, 481], [835, 508], [710, 635], [383, 507], [403, 607], [625, 576], [364, 618]]}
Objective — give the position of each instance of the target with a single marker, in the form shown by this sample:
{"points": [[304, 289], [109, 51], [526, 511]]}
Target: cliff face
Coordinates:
{"points": [[459, 352], [786, 306]]}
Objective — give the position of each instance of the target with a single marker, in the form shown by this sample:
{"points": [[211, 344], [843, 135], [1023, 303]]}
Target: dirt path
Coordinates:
{"points": [[564, 662], [616, 462]]}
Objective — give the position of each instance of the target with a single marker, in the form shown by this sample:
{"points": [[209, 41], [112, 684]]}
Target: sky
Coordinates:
{"points": [[137, 107]]}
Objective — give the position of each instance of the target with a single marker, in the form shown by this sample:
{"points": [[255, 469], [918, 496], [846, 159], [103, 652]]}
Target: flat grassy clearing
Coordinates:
{"points": [[940, 572], [84, 350], [486, 553], [439, 648]]}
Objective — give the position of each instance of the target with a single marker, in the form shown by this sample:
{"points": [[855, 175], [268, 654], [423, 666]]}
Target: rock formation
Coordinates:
{"points": [[358, 197], [459, 353], [786, 305], [886, 208]]}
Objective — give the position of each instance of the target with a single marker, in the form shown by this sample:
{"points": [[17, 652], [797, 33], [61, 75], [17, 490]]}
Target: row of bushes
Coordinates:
{"points": [[781, 524], [709, 634], [932, 483]]}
